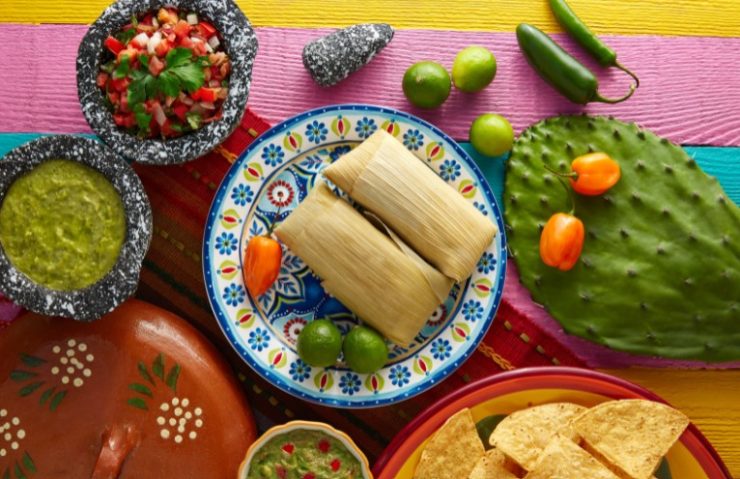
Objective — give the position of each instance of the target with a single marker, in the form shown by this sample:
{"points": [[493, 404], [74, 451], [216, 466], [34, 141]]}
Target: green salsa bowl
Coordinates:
{"points": [[75, 224], [304, 449]]}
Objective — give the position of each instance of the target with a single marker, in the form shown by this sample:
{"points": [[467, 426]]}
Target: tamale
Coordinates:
{"points": [[367, 271], [427, 213]]}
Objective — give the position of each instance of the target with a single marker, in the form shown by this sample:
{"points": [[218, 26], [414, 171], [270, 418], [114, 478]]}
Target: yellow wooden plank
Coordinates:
{"points": [[710, 398], [663, 17]]}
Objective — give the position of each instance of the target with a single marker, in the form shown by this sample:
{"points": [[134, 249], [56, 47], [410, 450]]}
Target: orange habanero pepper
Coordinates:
{"points": [[262, 264], [594, 174], [561, 241]]}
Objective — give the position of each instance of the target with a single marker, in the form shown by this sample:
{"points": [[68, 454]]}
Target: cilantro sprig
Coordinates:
{"points": [[181, 72]]}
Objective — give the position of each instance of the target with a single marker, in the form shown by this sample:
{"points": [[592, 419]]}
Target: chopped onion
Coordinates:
{"points": [[141, 40], [159, 115], [208, 48], [155, 22], [169, 100], [208, 105], [153, 42], [192, 19], [213, 42], [214, 83], [187, 100]]}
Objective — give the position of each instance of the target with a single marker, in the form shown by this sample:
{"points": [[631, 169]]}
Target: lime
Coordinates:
{"points": [[491, 135], [426, 84], [320, 343], [364, 350], [474, 69]]}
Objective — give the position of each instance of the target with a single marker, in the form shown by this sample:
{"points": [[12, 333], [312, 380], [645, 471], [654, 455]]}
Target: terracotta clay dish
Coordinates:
{"points": [[138, 394]]}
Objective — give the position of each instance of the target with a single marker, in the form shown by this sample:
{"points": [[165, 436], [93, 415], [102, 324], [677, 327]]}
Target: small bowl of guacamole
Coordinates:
{"points": [[301, 450], [75, 224]]}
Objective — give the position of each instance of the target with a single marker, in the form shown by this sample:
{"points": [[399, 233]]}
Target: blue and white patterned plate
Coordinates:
{"points": [[267, 182]]}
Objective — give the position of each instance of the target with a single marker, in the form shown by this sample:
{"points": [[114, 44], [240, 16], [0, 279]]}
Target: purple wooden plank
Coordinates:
{"points": [[690, 90]]}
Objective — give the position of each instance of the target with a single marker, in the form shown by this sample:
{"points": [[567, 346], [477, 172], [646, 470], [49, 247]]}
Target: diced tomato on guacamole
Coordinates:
{"points": [[166, 75], [304, 454]]}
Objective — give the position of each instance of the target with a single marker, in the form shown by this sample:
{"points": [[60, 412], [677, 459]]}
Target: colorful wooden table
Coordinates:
{"points": [[685, 52]]}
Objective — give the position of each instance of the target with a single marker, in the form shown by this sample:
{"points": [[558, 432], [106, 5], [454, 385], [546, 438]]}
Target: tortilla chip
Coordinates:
{"points": [[524, 434], [564, 459], [633, 435], [492, 466], [453, 450]]}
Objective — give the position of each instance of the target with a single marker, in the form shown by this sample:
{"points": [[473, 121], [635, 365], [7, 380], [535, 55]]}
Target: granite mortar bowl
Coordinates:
{"points": [[240, 43], [92, 302]]}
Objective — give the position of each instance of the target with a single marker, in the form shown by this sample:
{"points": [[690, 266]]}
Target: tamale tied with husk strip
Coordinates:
{"points": [[428, 214], [383, 282]]}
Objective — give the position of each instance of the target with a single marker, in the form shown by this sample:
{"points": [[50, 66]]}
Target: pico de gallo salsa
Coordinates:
{"points": [[167, 74]]}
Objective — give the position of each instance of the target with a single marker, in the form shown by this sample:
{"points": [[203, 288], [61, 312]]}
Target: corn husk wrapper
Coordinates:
{"points": [[362, 267], [427, 213]]}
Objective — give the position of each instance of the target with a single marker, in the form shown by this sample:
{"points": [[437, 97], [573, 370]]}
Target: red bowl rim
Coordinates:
{"points": [[530, 372]]}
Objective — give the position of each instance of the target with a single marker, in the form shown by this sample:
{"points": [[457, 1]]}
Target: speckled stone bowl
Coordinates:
{"points": [[120, 283], [240, 43]]}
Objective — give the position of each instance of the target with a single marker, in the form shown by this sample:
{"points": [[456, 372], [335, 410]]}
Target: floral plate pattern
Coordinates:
{"points": [[263, 186]]}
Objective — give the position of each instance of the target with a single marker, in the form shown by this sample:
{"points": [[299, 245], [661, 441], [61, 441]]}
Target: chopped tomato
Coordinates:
{"points": [[199, 47], [132, 53], [205, 94], [124, 103], [125, 120], [120, 84], [102, 79], [156, 66], [114, 97], [186, 42], [162, 48], [113, 44], [167, 128], [180, 110], [182, 29], [206, 29]]}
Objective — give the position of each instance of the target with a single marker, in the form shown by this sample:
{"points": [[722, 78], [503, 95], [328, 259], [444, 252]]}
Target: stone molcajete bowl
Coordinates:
{"points": [[120, 282], [240, 43]]}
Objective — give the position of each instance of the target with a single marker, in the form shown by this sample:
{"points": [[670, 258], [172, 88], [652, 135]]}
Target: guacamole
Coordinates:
{"points": [[304, 454], [62, 224]]}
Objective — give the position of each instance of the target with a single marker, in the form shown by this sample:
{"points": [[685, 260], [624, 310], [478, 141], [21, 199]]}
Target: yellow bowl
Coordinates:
{"points": [[311, 426]]}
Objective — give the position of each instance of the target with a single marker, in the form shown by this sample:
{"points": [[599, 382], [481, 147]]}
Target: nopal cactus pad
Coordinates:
{"points": [[660, 269]]}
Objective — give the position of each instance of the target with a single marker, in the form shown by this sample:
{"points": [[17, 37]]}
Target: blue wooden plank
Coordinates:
{"points": [[724, 163]]}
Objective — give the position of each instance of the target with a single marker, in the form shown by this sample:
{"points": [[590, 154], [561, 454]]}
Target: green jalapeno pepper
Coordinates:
{"points": [[580, 32], [563, 72]]}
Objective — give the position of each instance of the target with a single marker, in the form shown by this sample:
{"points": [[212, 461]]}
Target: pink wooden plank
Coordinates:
{"points": [[690, 91]]}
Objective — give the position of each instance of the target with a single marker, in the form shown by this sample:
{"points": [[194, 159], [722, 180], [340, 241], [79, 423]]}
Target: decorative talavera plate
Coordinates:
{"points": [[692, 457], [267, 182]]}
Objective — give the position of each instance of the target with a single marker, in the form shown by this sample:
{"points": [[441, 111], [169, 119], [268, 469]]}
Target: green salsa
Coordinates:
{"points": [[62, 224], [304, 454]]}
